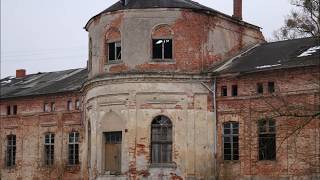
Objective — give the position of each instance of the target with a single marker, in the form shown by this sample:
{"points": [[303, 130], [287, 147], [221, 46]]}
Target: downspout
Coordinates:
{"points": [[213, 90]]}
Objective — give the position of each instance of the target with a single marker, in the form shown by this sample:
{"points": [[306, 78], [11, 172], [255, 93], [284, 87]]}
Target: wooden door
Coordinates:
{"points": [[113, 152]]}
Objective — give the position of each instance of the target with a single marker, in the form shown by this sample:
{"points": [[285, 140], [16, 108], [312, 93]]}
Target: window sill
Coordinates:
{"points": [[170, 61], [231, 161], [114, 62], [163, 165]]}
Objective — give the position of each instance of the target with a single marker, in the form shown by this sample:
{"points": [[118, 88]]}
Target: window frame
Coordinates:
{"points": [[53, 106], [73, 148], [231, 137], [271, 87], [77, 104], [69, 105], [224, 93], [234, 90], [166, 145], [8, 110], [267, 134], [162, 59], [116, 59], [46, 107], [49, 149], [260, 87], [11, 151]]}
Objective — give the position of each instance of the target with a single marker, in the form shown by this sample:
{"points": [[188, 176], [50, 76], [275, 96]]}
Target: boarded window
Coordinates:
{"points": [[161, 140], [231, 141], [267, 139], [234, 90], [162, 49], [69, 105], [77, 104], [49, 149], [114, 51], [224, 91], [8, 110], [260, 88], [73, 154], [271, 87], [11, 151]]}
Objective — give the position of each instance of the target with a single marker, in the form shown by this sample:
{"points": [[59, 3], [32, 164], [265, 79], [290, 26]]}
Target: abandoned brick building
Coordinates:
{"points": [[172, 90]]}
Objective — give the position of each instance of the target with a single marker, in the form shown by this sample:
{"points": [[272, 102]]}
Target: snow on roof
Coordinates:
{"points": [[267, 66], [309, 51]]}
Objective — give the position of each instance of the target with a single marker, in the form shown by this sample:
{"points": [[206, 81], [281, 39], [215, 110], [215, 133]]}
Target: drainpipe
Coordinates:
{"points": [[213, 91]]}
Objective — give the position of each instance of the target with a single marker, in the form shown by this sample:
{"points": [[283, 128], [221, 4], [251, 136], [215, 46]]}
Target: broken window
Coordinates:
{"points": [[161, 140], [77, 104], [234, 90], [49, 149], [231, 141], [162, 49], [8, 110], [114, 49], [15, 110], [53, 107], [267, 139], [11, 151], [224, 91], [271, 87], [69, 105], [260, 88], [46, 107], [73, 155]]}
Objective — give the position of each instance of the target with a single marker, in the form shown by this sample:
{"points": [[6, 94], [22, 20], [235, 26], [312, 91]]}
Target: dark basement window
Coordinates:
{"points": [[114, 49], [271, 87], [234, 90], [260, 88], [162, 49], [224, 91]]}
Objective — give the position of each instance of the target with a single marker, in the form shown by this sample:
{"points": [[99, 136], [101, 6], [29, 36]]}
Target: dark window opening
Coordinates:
{"points": [[15, 110], [77, 104], [161, 140], [234, 90], [260, 88], [73, 154], [231, 141], [53, 107], [11, 151], [271, 87], [114, 49], [162, 49], [49, 149], [224, 91], [69, 105], [267, 139], [8, 110]]}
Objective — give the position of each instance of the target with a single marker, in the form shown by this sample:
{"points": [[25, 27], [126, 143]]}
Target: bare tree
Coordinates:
{"points": [[303, 21]]}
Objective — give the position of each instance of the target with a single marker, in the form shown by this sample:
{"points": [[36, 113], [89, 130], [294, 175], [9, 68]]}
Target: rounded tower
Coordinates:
{"points": [[148, 101]]}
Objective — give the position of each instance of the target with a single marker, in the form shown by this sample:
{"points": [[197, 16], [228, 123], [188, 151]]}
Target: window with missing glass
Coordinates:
{"points": [[114, 51], [260, 88], [11, 150], [271, 87], [162, 49], [73, 152], [231, 141], [224, 91], [49, 149], [161, 140], [267, 139]]}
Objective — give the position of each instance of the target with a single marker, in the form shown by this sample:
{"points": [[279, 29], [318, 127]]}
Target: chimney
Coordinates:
{"points": [[237, 9], [124, 2], [20, 73]]}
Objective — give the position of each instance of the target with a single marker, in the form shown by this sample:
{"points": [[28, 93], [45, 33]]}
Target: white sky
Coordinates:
{"points": [[48, 35]]}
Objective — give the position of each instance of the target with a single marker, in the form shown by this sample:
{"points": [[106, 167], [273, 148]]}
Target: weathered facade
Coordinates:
{"points": [[173, 90]]}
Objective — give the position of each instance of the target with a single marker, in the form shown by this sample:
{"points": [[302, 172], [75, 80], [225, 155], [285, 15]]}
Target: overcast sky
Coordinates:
{"points": [[48, 35]]}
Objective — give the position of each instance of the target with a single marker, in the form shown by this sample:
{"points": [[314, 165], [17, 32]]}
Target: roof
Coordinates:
{"points": [[149, 4], [275, 55], [43, 83]]}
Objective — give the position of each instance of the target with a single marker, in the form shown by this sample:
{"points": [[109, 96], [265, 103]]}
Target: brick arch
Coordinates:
{"points": [[162, 30], [113, 34]]}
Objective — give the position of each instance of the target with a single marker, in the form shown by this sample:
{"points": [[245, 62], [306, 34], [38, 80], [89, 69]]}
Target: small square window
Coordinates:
{"points": [[162, 49], [234, 90], [260, 88], [271, 87], [114, 50], [224, 91]]}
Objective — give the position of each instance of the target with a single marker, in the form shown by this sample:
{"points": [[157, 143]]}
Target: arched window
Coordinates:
{"points": [[161, 140], [113, 45], [162, 46]]}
